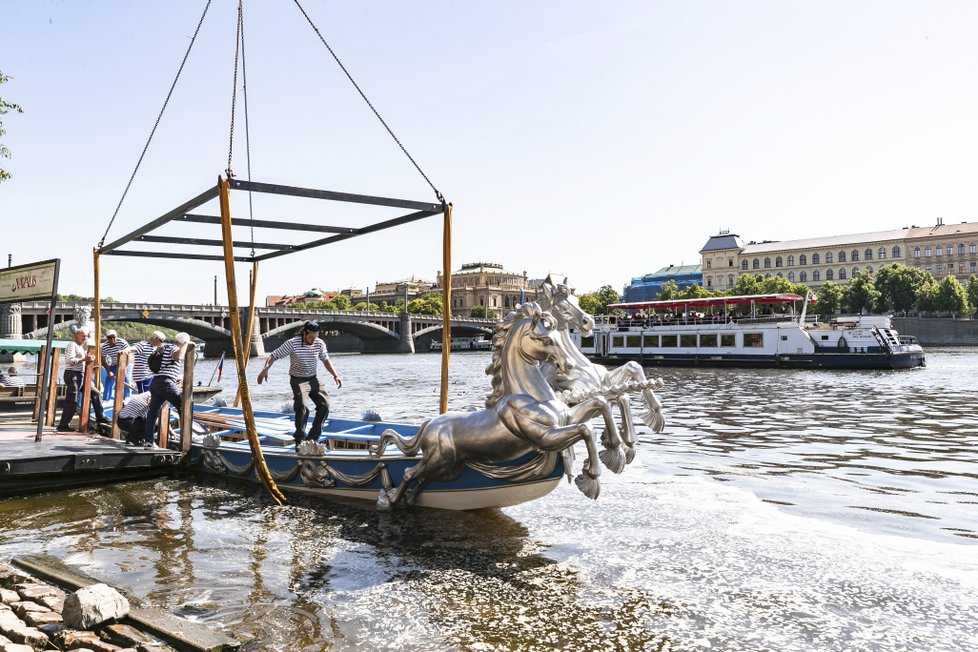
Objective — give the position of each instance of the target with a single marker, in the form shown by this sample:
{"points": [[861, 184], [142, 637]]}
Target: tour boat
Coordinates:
{"points": [[465, 344], [341, 464], [741, 337]]}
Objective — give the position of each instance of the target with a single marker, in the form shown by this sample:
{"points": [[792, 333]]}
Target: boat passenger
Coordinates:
{"points": [[110, 349], [76, 355], [10, 378], [142, 376], [166, 384], [303, 351]]}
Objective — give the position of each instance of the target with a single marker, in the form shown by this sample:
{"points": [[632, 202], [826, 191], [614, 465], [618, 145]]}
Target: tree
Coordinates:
{"points": [[899, 287], [596, 303], [973, 293], [694, 291], [339, 302], [927, 295], [776, 285], [427, 304], [829, 299], [668, 291], [483, 312], [362, 306], [748, 284], [951, 296], [6, 107], [860, 294]]}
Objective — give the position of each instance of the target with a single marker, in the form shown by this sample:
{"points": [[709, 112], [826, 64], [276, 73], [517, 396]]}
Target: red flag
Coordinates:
{"points": [[220, 368]]}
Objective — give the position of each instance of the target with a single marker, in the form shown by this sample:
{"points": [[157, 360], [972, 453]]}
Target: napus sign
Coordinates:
{"points": [[28, 282]]}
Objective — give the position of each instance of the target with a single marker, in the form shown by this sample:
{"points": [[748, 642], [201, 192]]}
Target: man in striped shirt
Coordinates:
{"points": [[166, 384], [11, 379], [132, 418], [141, 374], [304, 350], [111, 348], [76, 355]]}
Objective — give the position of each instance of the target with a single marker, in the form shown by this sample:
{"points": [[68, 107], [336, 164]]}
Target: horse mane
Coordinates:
{"points": [[499, 336]]}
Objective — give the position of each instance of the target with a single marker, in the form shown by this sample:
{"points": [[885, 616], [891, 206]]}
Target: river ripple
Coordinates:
{"points": [[780, 510]]}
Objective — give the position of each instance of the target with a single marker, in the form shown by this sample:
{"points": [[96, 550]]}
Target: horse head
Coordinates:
{"points": [[559, 299], [536, 342]]}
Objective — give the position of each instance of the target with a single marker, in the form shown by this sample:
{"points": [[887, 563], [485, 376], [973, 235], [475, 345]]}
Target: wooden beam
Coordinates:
{"points": [[187, 403], [122, 362]]}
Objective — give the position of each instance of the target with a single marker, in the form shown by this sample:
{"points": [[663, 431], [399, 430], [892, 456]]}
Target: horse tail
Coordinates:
{"points": [[407, 445]]}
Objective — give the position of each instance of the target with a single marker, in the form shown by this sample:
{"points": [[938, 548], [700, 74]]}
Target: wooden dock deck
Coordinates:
{"points": [[69, 459]]}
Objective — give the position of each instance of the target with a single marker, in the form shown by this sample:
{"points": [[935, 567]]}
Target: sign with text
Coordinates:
{"points": [[29, 282]]}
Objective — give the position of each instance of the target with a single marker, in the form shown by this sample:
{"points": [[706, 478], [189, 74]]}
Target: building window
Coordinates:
{"points": [[842, 274], [816, 277], [960, 248], [950, 250], [927, 252], [778, 262], [709, 281], [757, 263], [803, 259], [896, 252], [939, 250], [743, 264], [729, 262], [730, 280], [881, 254], [842, 256], [855, 255], [928, 269], [815, 259], [791, 261], [828, 257], [938, 270], [767, 263], [802, 276], [973, 266], [971, 248], [916, 252], [791, 277], [828, 275], [868, 254], [855, 272]]}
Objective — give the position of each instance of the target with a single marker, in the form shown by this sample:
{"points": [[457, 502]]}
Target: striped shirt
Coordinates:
{"points": [[302, 358], [140, 354], [11, 381], [110, 352], [136, 406], [171, 368], [75, 356]]}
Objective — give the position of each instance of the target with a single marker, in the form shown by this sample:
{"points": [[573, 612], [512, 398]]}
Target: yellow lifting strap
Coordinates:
{"points": [[446, 311], [240, 354]]}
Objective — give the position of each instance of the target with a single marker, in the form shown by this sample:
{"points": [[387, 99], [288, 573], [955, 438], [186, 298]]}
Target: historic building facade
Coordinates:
{"points": [[944, 249], [489, 286]]}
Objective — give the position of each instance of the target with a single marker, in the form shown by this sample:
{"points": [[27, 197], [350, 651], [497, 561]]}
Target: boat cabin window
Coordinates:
{"points": [[753, 340], [825, 337], [669, 341], [650, 342], [708, 340], [687, 340], [587, 342], [728, 340], [633, 341], [617, 341]]}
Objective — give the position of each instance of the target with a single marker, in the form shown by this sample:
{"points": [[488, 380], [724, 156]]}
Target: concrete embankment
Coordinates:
{"points": [[939, 331]]}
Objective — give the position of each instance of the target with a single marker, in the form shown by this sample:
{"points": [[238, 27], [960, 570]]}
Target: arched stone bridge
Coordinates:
{"points": [[369, 332]]}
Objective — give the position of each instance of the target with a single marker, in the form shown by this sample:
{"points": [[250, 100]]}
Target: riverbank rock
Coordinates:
{"points": [[93, 605]]}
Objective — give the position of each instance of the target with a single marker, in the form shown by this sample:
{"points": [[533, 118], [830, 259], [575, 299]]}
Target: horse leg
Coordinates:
{"points": [[627, 428], [558, 438], [612, 456], [388, 500]]}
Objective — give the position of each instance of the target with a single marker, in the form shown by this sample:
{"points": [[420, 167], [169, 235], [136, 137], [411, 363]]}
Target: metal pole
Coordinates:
{"points": [[215, 290], [46, 374], [446, 311]]}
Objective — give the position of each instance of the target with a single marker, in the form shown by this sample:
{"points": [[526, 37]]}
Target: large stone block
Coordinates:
{"points": [[93, 605]]}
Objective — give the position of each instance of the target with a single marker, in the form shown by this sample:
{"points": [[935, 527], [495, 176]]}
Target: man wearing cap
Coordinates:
{"points": [[76, 355], [142, 375], [303, 351], [111, 348]]}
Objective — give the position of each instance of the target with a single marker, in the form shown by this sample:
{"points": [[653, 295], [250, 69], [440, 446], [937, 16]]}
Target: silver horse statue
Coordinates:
{"points": [[581, 378], [522, 415]]}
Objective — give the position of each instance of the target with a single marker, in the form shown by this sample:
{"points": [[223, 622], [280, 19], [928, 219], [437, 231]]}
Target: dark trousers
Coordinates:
{"points": [[161, 390], [300, 386], [73, 381], [143, 385], [134, 429]]}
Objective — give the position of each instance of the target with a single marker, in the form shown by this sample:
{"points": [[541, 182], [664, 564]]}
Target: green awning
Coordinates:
{"points": [[28, 346]]}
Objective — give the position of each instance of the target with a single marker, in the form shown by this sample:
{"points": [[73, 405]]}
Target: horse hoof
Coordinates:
{"points": [[383, 502], [613, 459], [629, 454], [588, 486]]}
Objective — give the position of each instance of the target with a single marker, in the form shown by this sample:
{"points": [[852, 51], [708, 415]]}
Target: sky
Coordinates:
{"points": [[595, 140]]}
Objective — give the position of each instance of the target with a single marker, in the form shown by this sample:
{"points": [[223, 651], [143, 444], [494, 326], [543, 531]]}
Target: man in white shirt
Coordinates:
{"points": [[76, 355]]}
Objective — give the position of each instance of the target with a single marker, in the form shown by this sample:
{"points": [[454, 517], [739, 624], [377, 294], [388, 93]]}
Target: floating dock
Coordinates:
{"points": [[62, 460]]}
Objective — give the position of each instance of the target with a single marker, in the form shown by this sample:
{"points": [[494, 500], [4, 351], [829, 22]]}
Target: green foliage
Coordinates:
{"points": [[899, 287], [800, 289], [133, 332], [339, 302], [6, 107], [860, 295], [362, 306], [694, 291], [927, 295], [776, 285], [596, 303], [973, 293], [951, 296], [747, 284], [668, 291], [427, 304], [829, 299], [483, 312]]}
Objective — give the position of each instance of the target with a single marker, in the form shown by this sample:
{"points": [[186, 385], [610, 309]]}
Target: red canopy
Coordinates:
{"points": [[706, 302]]}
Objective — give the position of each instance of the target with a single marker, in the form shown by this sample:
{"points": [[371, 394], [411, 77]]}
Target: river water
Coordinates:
{"points": [[779, 510]]}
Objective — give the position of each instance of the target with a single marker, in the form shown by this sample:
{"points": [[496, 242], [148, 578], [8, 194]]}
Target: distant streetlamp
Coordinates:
{"points": [[215, 289]]}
